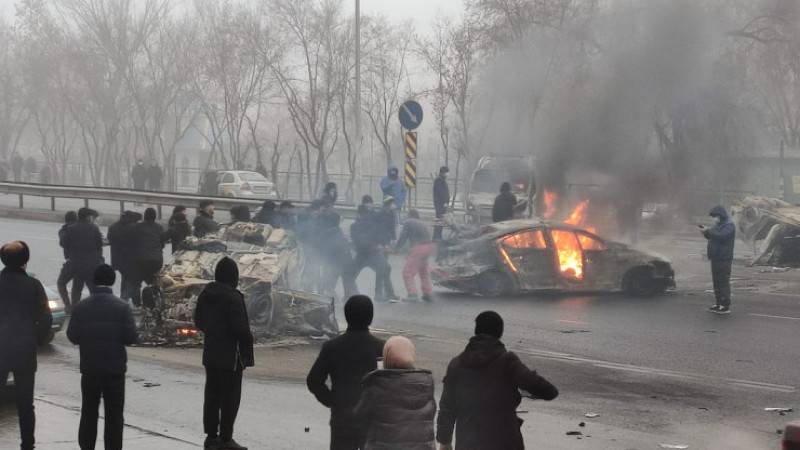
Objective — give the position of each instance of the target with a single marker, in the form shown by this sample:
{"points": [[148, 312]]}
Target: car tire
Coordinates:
{"points": [[639, 283], [495, 284]]}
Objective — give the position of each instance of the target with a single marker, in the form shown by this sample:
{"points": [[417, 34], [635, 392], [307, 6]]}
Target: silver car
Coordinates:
{"points": [[242, 183]]}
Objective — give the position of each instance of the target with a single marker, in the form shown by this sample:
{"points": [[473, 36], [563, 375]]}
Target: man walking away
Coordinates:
{"points": [[139, 175], [149, 238], [721, 239], [154, 176], [415, 231], [337, 260], [178, 229], [67, 270], [346, 360], [481, 392], [204, 222], [441, 198], [83, 243], [24, 318], [102, 325], [227, 350], [503, 208]]}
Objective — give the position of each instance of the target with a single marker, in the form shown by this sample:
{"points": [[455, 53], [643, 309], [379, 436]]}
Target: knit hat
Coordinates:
{"points": [[489, 322], [399, 353], [358, 312], [104, 275]]}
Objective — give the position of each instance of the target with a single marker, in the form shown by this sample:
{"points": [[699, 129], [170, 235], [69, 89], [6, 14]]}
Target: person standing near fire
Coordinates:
{"points": [[504, 204], [721, 240]]}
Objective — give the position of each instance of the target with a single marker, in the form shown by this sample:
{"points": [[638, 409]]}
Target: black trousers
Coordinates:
{"points": [[721, 276], [223, 394], [146, 271], [64, 277], [24, 381], [347, 442], [111, 388], [437, 230], [379, 262]]}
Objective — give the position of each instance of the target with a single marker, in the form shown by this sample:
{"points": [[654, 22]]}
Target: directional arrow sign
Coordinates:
{"points": [[410, 115]]}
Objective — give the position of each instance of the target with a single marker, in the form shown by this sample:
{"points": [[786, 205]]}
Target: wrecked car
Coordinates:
{"points": [[267, 258], [771, 227], [530, 255]]}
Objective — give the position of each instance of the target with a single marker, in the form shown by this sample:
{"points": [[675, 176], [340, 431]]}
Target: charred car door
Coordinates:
{"points": [[528, 256], [601, 264]]}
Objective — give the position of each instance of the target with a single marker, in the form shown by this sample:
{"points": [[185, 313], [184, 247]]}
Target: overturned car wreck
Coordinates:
{"points": [[772, 228], [529, 255], [266, 258]]}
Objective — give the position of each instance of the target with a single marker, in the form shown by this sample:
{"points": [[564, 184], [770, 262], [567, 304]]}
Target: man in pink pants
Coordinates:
{"points": [[416, 232]]}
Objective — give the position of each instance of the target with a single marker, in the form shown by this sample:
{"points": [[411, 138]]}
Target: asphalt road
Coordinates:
{"points": [[655, 369]]}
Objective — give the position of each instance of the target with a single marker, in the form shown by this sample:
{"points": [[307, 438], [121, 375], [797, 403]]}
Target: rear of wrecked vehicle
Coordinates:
{"points": [[530, 256]]}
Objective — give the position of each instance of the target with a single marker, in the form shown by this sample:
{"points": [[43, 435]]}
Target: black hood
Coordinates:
{"points": [[719, 211], [227, 272], [482, 350]]}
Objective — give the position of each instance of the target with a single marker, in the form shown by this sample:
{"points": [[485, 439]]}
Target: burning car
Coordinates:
{"points": [[532, 255], [267, 259]]}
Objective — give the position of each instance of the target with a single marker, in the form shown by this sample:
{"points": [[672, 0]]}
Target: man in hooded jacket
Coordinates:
{"points": [[346, 360], [221, 315], [393, 186], [481, 392], [24, 318], [721, 239], [504, 204]]}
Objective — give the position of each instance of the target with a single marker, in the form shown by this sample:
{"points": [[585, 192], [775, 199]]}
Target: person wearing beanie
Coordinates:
{"points": [[24, 319], [204, 222], [504, 204], [345, 360], [221, 315], [102, 326], [149, 238], [397, 404], [481, 392], [67, 270], [83, 244]]}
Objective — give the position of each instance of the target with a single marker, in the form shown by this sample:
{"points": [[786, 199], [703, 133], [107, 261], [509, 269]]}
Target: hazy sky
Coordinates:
{"points": [[421, 11]]}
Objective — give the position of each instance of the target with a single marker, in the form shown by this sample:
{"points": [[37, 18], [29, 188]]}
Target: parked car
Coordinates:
{"points": [[237, 183], [531, 255], [59, 314]]}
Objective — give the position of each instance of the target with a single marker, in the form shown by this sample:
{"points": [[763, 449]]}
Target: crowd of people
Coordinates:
{"points": [[146, 176], [378, 395]]}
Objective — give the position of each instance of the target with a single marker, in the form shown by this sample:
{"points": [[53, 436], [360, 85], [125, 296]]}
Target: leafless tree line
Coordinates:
{"points": [[107, 82]]}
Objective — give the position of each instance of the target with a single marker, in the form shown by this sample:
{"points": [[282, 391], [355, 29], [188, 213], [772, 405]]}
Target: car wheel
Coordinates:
{"points": [[639, 282], [495, 284]]}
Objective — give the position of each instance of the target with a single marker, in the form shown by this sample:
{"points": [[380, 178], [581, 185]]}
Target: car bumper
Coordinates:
{"points": [[59, 318]]}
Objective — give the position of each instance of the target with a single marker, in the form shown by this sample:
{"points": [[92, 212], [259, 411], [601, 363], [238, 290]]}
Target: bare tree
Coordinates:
{"points": [[14, 96]]}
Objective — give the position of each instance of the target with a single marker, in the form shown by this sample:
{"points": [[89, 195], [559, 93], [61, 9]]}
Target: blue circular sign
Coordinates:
{"points": [[410, 115]]}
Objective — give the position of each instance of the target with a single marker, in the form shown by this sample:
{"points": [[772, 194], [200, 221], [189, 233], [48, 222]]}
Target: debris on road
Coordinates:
{"points": [[574, 433], [773, 223], [780, 411], [149, 385], [674, 446], [582, 424], [591, 415]]}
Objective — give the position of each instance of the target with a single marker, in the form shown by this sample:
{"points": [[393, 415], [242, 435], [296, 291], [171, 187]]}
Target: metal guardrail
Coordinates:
{"points": [[159, 199]]}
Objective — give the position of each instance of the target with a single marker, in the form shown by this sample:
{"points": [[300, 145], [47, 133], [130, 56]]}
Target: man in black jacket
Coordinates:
{"points": [[83, 243], [227, 350], [178, 228], [204, 222], [346, 360], [67, 270], [149, 239], [122, 240], [24, 317], [441, 198], [102, 325], [481, 392], [365, 235], [504, 204]]}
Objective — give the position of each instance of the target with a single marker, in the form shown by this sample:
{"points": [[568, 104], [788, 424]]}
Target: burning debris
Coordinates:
{"points": [[772, 228], [266, 257]]}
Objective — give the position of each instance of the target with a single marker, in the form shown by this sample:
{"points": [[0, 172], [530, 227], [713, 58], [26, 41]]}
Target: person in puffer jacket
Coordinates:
{"points": [[397, 402]]}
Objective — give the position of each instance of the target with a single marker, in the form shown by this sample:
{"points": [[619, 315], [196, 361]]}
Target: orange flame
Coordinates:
{"points": [[550, 199], [568, 246]]}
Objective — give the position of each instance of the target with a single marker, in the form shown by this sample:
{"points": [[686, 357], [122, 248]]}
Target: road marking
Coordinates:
{"points": [[774, 317], [576, 322]]}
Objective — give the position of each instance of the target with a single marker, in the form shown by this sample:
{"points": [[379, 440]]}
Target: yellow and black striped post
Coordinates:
{"points": [[411, 159]]}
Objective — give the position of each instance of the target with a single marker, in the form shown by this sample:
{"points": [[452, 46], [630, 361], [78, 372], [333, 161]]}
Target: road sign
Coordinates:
{"points": [[411, 159], [410, 115]]}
